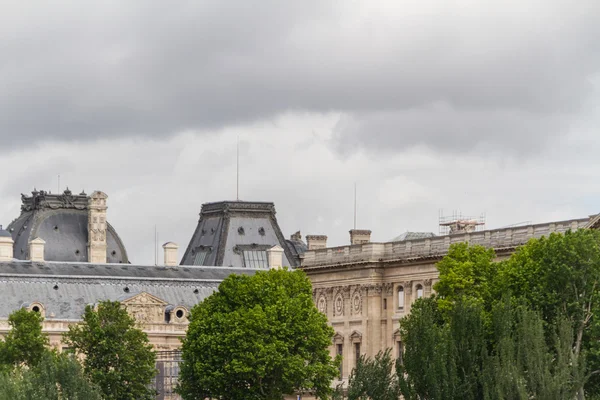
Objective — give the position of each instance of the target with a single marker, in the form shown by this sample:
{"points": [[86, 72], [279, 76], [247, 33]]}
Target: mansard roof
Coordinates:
{"points": [[62, 221], [64, 289], [228, 228]]}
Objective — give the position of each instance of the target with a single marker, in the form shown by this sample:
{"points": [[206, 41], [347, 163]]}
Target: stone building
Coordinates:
{"points": [[365, 288], [61, 254]]}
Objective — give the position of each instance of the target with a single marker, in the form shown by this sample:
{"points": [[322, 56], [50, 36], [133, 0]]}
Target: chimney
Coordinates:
{"points": [[97, 227], [36, 249], [6, 245], [170, 249], [316, 242], [360, 236], [275, 257]]}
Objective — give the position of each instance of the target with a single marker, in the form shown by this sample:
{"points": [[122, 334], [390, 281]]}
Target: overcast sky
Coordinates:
{"points": [[478, 106]]}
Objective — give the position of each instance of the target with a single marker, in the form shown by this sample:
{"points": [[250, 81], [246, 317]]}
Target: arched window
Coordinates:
{"points": [[400, 297], [419, 291]]}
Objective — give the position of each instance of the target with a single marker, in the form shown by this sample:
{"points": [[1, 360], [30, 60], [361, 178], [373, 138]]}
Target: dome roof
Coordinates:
{"points": [[4, 233], [62, 222]]}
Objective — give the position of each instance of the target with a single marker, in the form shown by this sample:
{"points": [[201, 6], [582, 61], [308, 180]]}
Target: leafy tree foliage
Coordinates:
{"points": [[555, 277], [118, 356], [25, 343], [467, 273], [450, 356], [444, 355], [374, 379], [258, 337], [56, 377]]}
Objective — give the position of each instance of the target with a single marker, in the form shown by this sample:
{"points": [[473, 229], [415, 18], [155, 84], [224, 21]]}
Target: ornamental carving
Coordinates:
{"points": [[44, 200], [146, 308], [338, 305], [388, 288], [322, 304], [356, 303]]}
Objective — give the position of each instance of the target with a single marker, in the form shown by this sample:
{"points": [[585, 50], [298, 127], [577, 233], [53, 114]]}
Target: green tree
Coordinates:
{"points": [[467, 273], [258, 337], [557, 276], [524, 365], [374, 379], [444, 351], [56, 377], [118, 356], [25, 343]]}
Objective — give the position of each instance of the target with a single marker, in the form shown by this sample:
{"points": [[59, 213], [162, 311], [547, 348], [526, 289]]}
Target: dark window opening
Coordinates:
{"points": [[340, 350], [35, 309], [179, 313], [400, 350], [357, 352], [385, 304]]}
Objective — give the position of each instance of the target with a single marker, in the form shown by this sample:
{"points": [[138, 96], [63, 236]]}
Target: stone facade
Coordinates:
{"points": [[365, 289]]}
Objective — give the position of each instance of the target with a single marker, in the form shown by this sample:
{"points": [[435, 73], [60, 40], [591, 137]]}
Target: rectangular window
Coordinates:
{"points": [[200, 257], [357, 352], [401, 298], [340, 350], [385, 304], [255, 259]]}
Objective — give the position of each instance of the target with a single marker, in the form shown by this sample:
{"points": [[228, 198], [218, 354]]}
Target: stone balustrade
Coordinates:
{"points": [[437, 246]]}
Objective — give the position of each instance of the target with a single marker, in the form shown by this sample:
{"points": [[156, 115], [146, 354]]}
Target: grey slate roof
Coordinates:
{"points": [[64, 289], [226, 229], [62, 221], [413, 236]]}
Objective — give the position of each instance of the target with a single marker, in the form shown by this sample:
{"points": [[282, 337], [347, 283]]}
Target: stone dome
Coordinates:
{"points": [[62, 222]]}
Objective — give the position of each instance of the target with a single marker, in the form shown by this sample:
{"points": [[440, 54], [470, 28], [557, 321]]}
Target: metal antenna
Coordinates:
{"points": [[354, 205], [237, 185], [155, 246], [58, 191]]}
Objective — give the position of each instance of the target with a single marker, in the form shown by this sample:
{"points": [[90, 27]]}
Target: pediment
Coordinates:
{"points": [[145, 298], [356, 335], [338, 338]]}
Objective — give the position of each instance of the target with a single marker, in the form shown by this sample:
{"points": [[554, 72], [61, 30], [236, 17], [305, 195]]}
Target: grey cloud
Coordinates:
{"points": [[148, 69]]}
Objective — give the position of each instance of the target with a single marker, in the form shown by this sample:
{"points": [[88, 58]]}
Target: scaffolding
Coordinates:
{"points": [[459, 223]]}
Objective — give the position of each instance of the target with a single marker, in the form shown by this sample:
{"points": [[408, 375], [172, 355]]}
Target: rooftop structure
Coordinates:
{"points": [[238, 234], [506, 239], [62, 289], [73, 226]]}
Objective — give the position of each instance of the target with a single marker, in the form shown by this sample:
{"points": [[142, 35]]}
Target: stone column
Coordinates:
{"points": [[97, 227], [374, 319]]}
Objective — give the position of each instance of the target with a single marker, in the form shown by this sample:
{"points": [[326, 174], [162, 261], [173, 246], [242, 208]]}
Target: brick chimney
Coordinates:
{"points": [[316, 242], [97, 227], [36, 249], [170, 250], [6, 245], [360, 236]]}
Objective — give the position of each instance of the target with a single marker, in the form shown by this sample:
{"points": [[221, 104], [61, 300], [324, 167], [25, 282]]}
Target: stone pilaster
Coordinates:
{"points": [[97, 227]]}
